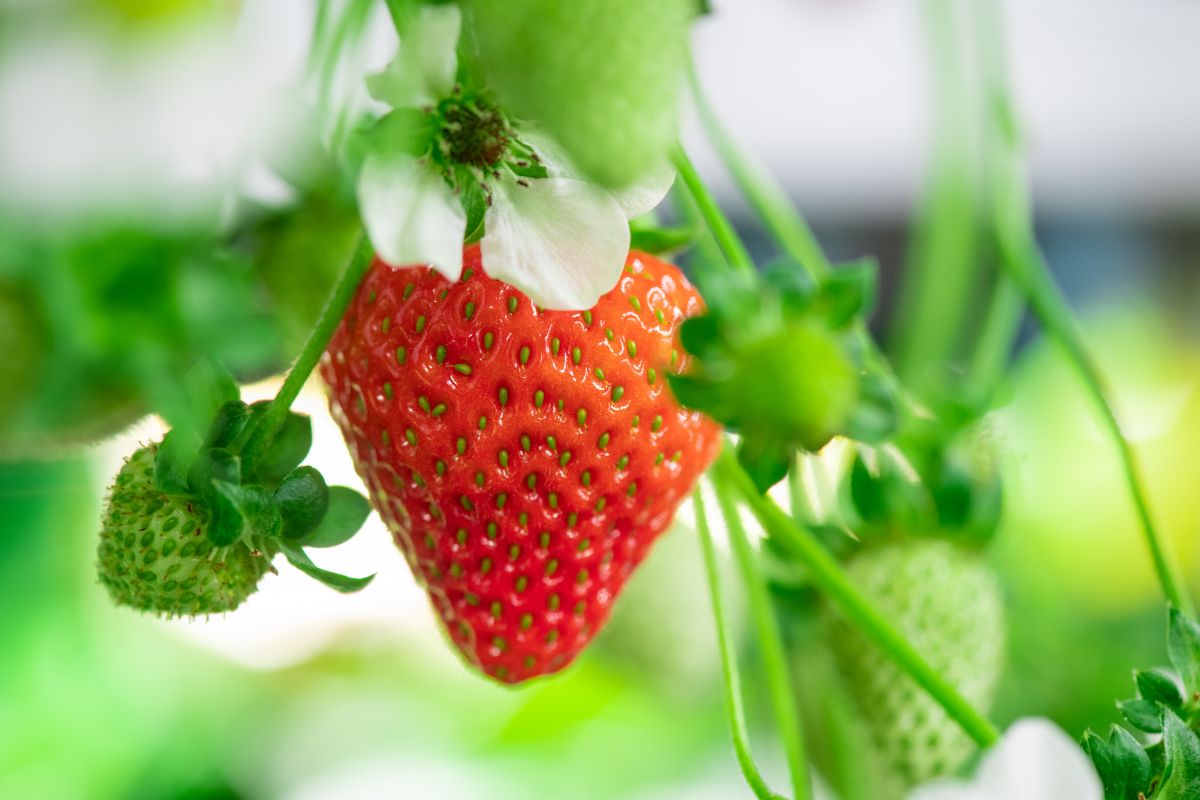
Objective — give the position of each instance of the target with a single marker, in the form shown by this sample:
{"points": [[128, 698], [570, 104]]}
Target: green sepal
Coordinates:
{"points": [[194, 402], [848, 293], [1121, 762], [884, 496], [240, 511], [659, 240], [346, 512], [701, 335], [173, 461], [228, 423], [336, 581], [1183, 648], [285, 452], [765, 462], [213, 464], [1181, 773], [401, 132], [876, 416], [1158, 686], [1145, 715], [791, 283], [474, 203], [302, 498]]}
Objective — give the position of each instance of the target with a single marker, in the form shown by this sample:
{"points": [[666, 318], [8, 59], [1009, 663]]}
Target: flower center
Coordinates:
{"points": [[475, 133]]}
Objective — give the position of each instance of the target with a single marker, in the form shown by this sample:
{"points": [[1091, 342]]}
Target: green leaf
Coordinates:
{"points": [[302, 498], [240, 511], [1121, 762], [342, 583], [174, 459], [1159, 686], [1181, 775], [285, 452], [1145, 715], [701, 394], [658, 240], [347, 511], [849, 292], [1183, 647], [876, 416]]}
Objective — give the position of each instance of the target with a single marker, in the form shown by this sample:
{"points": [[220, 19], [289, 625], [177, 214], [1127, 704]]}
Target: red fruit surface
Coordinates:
{"points": [[524, 460]]}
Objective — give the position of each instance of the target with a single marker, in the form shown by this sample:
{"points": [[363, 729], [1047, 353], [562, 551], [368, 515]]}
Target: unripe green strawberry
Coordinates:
{"points": [[947, 602], [155, 554]]}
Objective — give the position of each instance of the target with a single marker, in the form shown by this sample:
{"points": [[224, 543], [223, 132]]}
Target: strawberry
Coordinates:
{"points": [[155, 555], [947, 602], [524, 460]]}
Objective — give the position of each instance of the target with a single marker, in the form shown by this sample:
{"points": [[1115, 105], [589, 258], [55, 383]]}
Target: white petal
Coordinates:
{"points": [[1037, 761], [647, 192], [562, 242], [411, 215], [635, 199], [949, 790], [425, 66]]}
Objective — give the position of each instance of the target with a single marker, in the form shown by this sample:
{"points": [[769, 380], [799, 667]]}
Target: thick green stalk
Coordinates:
{"points": [[735, 252], [729, 666], [1025, 266], [770, 642], [831, 580], [273, 418]]}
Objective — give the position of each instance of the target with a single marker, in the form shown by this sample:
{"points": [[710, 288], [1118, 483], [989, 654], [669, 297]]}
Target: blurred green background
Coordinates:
{"points": [[307, 695]]}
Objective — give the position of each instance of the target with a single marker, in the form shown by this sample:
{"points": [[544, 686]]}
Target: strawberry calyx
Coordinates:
{"points": [[1165, 762], [266, 500], [778, 360]]}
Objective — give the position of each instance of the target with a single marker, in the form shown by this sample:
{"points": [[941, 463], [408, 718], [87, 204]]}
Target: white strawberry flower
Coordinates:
{"points": [[1034, 761], [555, 236]]}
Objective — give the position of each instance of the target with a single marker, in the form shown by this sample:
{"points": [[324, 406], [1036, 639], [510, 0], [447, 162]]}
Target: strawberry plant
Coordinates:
{"points": [[465, 246]]}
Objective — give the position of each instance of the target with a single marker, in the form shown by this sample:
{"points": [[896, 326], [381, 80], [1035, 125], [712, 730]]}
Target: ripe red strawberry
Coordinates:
{"points": [[524, 460]]}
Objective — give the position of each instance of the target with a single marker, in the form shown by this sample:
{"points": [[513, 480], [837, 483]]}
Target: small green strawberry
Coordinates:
{"points": [[946, 601], [155, 553]]}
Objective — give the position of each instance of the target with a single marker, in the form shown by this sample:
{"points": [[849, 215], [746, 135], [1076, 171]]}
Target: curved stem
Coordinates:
{"points": [[735, 252], [774, 655], [732, 682], [831, 579], [1023, 263], [327, 323], [767, 198]]}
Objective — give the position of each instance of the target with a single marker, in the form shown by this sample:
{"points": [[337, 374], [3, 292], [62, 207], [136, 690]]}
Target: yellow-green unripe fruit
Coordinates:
{"points": [[799, 386], [155, 554], [947, 602]]}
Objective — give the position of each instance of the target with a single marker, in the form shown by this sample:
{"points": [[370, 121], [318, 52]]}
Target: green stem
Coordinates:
{"points": [[831, 579], [735, 252], [775, 661], [273, 418], [767, 198], [729, 667], [996, 337], [1024, 264], [941, 275]]}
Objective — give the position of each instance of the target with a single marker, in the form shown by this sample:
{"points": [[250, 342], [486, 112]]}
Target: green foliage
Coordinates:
{"points": [[602, 76], [1167, 706], [107, 322]]}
